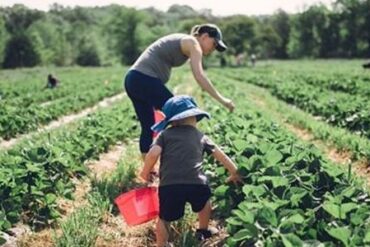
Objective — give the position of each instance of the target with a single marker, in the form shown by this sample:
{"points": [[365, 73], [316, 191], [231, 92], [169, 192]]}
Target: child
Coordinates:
{"points": [[180, 148]]}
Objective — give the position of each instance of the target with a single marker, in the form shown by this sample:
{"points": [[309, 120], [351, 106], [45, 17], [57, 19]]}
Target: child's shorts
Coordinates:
{"points": [[172, 199]]}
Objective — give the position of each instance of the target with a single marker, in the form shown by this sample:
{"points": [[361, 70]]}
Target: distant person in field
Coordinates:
{"points": [[366, 65], [240, 59], [180, 148], [145, 80], [52, 82], [253, 60]]}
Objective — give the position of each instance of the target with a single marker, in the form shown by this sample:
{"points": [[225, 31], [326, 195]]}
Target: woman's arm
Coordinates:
{"points": [[192, 49]]}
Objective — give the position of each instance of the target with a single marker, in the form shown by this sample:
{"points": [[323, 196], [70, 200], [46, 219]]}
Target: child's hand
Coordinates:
{"points": [[145, 176], [148, 177], [235, 178]]}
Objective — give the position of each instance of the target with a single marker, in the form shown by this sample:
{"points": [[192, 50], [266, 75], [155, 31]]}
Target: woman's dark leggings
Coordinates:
{"points": [[146, 93]]}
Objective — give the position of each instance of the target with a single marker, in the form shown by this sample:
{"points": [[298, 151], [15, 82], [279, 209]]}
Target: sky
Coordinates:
{"points": [[218, 7]]}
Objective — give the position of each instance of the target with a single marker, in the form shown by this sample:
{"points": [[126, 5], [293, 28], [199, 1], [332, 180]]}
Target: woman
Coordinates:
{"points": [[145, 80]]}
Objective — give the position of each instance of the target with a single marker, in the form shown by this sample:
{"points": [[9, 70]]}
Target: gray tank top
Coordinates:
{"points": [[158, 59]]}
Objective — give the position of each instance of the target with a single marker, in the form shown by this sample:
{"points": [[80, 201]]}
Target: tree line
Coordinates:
{"points": [[102, 36]]}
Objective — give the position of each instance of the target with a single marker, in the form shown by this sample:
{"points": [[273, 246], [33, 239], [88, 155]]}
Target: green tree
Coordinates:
{"points": [[74, 25], [153, 26], [321, 27], [308, 31], [330, 37], [19, 52], [185, 26], [50, 38], [123, 29], [355, 24], [267, 41], [88, 54], [18, 18], [3, 37], [181, 12], [365, 34], [280, 22], [294, 49], [44, 35], [19, 49], [239, 32]]}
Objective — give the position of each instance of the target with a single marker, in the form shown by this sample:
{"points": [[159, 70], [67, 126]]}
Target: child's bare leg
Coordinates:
{"points": [[162, 232], [204, 216]]}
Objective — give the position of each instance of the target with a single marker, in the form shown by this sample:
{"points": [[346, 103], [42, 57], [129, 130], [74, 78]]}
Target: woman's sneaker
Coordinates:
{"points": [[202, 234]]}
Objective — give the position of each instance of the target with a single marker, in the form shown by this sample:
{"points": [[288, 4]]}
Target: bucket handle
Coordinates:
{"points": [[154, 176]]}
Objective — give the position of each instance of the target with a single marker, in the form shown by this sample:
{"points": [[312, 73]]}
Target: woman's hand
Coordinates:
{"points": [[229, 104], [235, 178]]}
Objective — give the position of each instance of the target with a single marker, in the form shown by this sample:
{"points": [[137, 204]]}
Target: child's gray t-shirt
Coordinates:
{"points": [[182, 155]]}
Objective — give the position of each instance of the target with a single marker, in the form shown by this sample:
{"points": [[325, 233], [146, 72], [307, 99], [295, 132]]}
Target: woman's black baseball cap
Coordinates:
{"points": [[214, 32]]}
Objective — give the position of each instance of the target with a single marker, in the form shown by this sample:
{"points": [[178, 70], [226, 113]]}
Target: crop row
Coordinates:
{"points": [[339, 109], [291, 196], [15, 119], [354, 85], [27, 86], [341, 75], [34, 174]]}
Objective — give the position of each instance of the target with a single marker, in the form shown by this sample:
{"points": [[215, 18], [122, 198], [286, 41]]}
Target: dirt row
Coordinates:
{"points": [[113, 230], [6, 144], [360, 167]]}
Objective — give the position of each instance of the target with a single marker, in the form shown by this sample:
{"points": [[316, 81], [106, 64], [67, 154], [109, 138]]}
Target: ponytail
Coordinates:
{"points": [[194, 30]]}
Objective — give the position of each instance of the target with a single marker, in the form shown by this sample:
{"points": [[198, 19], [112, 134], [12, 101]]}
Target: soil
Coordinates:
{"points": [[107, 163], [343, 157], [6, 144]]}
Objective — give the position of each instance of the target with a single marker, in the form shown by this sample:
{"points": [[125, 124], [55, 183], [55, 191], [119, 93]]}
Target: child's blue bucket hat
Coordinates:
{"points": [[179, 107]]}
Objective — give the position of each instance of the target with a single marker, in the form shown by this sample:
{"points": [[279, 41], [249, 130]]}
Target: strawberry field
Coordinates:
{"points": [[294, 193]]}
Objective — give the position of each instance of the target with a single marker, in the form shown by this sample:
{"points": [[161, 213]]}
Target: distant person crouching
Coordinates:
{"points": [[52, 82], [366, 65]]}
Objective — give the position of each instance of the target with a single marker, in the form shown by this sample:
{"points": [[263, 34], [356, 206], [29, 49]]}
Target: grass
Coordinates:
{"points": [[182, 230], [81, 228], [121, 180]]}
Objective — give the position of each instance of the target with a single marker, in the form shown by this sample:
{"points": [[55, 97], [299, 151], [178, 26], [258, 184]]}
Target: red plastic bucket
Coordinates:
{"points": [[158, 116], [139, 205]]}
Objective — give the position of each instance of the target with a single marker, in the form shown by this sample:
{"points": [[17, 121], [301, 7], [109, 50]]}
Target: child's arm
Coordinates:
{"points": [[150, 160], [220, 156]]}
